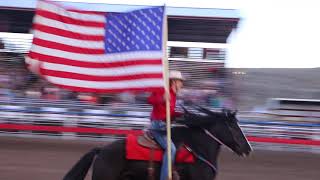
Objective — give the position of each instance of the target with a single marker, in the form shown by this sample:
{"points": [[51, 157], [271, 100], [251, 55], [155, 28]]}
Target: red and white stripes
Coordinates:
{"points": [[68, 50]]}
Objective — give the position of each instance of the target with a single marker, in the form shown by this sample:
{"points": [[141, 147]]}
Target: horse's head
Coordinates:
{"points": [[223, 127]]}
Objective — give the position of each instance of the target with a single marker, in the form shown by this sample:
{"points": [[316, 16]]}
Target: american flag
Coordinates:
{"points": [[98, 52]]}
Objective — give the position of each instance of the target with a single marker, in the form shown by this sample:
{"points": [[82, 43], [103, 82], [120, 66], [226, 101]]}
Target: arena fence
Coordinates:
{"points": [[78, 121]]}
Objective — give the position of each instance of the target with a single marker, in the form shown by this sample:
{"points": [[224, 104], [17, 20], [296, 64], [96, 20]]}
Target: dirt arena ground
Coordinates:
{"points": [[38, 159]]}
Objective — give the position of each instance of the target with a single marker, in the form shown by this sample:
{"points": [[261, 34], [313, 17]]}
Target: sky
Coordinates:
{"points": [[276, 35], [271, 33]]}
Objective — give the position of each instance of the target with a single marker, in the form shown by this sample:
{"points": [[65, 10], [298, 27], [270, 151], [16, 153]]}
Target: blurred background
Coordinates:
{"points": [[260, 59]]}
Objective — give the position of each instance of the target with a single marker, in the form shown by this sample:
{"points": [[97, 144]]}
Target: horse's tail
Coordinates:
{"points": [[81, 168]]}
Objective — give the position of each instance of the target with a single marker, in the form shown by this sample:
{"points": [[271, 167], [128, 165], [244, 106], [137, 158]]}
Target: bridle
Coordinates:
{"points": [[217, 139], [201, 158]]}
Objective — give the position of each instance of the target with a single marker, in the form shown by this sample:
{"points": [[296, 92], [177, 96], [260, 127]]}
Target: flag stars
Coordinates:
{"points": [[158, 18], [149, 19], [127, 19], [148, 28], [140, 21], [118, 39], [139, 29], [153, 13], [113, 34], [117, 28], [136, 31], [136, 17], [144, 24], [144, 15], [120, 22], [143, 33], [153, 23]]}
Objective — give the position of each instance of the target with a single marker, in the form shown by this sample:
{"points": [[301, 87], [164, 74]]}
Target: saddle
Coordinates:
{"points": [[146, 140], [145, 148]]}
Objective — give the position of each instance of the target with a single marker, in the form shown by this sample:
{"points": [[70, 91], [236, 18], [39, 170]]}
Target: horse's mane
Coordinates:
{"points": [[201, 117]]}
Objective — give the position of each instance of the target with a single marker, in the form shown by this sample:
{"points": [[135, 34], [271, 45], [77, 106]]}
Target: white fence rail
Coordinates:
{"points": [[135, 118]]}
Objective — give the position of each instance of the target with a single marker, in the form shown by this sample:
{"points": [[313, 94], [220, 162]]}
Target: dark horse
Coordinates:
{"points": [[202, 132]]}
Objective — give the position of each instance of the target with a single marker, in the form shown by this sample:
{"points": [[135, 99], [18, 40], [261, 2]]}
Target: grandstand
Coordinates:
{"points": [[197, 46], [255, 86]]}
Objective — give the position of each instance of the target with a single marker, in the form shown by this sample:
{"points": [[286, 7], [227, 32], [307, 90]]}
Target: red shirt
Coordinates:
{"points": [[159, 105]]}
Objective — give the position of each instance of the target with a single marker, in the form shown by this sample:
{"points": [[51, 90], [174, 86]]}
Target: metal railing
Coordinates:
{"points": [[136, 118]]}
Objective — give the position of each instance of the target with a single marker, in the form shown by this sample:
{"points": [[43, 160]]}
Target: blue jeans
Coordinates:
{"points": [[158, 130]]}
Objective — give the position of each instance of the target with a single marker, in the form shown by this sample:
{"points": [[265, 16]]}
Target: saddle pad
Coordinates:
{"points": [[135, 151]]}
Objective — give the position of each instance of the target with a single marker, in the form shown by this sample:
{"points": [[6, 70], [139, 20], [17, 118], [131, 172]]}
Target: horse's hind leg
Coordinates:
{"points": [[104, 171], [110, 162]]}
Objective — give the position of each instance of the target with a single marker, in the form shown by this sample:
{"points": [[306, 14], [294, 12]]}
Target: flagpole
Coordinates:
{"points": [[167, 91]]}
